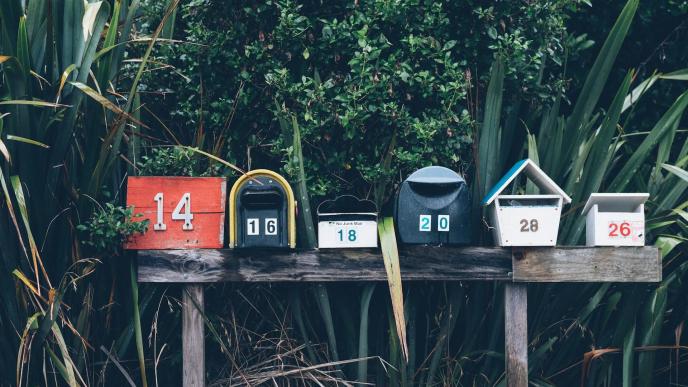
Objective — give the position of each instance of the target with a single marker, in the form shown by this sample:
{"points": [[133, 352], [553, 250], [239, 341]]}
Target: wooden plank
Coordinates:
{"points": [[516, 334], [193, 337], [587, 264], [419, 263], [208, 197]]}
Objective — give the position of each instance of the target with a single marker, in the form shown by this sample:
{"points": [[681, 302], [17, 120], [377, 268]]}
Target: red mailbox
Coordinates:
{"points": [[183, 212]]}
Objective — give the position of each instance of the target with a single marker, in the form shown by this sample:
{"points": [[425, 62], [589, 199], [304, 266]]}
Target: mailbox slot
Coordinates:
{"points": [[433, 208], [262, 211], [262, 198]]}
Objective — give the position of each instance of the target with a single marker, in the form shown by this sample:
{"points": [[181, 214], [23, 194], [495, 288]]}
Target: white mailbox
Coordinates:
{"points": [[615, 219], [347, 222], [526, 220]]}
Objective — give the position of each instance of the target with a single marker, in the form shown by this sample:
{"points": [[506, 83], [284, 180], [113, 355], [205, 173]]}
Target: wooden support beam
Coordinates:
{"points": [[585, 264], [418, 263], [516, 334], [193, 336]]}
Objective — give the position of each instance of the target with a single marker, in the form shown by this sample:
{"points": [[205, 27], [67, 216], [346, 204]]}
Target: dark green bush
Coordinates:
{"points": [[110, 227], [354, 74]]}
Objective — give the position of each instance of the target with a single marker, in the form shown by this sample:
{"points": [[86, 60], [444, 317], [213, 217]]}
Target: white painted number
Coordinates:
{"points": [[159, 224], [252, 225], [443, 223], [425, 222], [187, 216], [271, 226]]}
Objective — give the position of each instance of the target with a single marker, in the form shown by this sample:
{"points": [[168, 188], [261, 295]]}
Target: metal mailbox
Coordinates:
{"points": [[526, 220], [347, 222], [433, 207], [615, 219], [262, 211]]}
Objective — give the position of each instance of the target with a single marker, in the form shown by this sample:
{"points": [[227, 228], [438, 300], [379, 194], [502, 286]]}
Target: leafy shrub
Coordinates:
{"points": [[355, 75], [176, 161], [110, 227]]}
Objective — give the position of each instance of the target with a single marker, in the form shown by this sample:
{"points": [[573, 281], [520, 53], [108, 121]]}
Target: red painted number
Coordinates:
{"points": [[624, 229]]}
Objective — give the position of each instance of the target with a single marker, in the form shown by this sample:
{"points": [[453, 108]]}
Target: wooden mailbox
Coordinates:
{"points": [[184, 212], [262, 211], [347, 222], [526, 220], [615, 219]]}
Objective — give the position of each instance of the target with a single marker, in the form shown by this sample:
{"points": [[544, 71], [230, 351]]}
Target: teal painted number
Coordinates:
{"points": [[425, 221], [352, 235]]}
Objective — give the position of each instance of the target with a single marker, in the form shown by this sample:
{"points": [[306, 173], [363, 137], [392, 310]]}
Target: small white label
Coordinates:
{"points": [[271, 226], [347, 233], [425, 223], [443, 223], [252, 226]]}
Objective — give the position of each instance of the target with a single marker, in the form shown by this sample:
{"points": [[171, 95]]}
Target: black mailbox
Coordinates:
{"points": [[262, 211], [433, 207]]}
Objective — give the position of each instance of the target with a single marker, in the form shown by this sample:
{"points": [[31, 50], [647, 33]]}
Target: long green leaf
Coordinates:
{"points": [[390, 254], [598, 74], [640, 155]]}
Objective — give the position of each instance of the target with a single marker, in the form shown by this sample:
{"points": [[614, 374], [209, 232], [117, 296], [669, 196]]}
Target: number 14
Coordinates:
{"points": [[177, 214]]}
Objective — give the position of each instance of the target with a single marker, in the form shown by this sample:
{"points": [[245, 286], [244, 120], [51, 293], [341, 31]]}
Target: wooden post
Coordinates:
{"points": [[516, 334], [193, 343]]}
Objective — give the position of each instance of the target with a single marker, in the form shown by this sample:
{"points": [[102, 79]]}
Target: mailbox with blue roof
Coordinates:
{"points": [[526, 220]]}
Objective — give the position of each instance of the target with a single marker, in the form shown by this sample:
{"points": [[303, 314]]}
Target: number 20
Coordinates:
{"points": [[177, 214]]}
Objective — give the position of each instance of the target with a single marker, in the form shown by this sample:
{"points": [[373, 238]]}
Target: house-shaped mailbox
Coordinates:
{"points": [[526, 220], [347, 222], [433, 207], [262, 211], [615, 219]]}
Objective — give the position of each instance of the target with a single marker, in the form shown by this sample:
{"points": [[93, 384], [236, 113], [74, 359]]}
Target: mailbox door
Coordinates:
{"points": [[528, 225], [433, 214], [262, 217], [619, 229]]}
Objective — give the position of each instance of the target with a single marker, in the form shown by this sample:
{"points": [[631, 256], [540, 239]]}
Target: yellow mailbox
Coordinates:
{"points": [[262, 211]]}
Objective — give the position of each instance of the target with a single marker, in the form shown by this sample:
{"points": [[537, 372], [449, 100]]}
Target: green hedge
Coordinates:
{"points": [[354, 74]]}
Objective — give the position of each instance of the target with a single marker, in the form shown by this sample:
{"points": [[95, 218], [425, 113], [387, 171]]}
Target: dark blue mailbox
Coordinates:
{"points": [[433, 207]]}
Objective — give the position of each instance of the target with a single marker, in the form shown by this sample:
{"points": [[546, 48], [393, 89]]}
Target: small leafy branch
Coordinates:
{"points": [[110, 227]]}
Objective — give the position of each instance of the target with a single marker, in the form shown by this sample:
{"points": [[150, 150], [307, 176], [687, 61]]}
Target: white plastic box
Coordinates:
{"points": [[526, 220], [615, 219]]}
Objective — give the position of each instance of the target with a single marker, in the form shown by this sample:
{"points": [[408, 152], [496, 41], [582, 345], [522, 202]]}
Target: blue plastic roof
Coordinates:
{"points": [[535, 174]]}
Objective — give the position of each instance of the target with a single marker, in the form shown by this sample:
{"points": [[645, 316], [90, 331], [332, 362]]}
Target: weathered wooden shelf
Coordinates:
{"points": [[418, 263]]}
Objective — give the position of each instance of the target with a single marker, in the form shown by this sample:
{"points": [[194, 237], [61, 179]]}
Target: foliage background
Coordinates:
{"points": [[403, 81]]}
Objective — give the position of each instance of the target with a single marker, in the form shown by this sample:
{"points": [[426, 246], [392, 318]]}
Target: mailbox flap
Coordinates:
{"points": [[262, 197], [435, 176], [615, 202], [347, 204]]}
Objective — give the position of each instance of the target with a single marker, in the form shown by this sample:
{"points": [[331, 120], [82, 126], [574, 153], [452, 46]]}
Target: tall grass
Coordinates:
{"points": [[69, 107]]}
